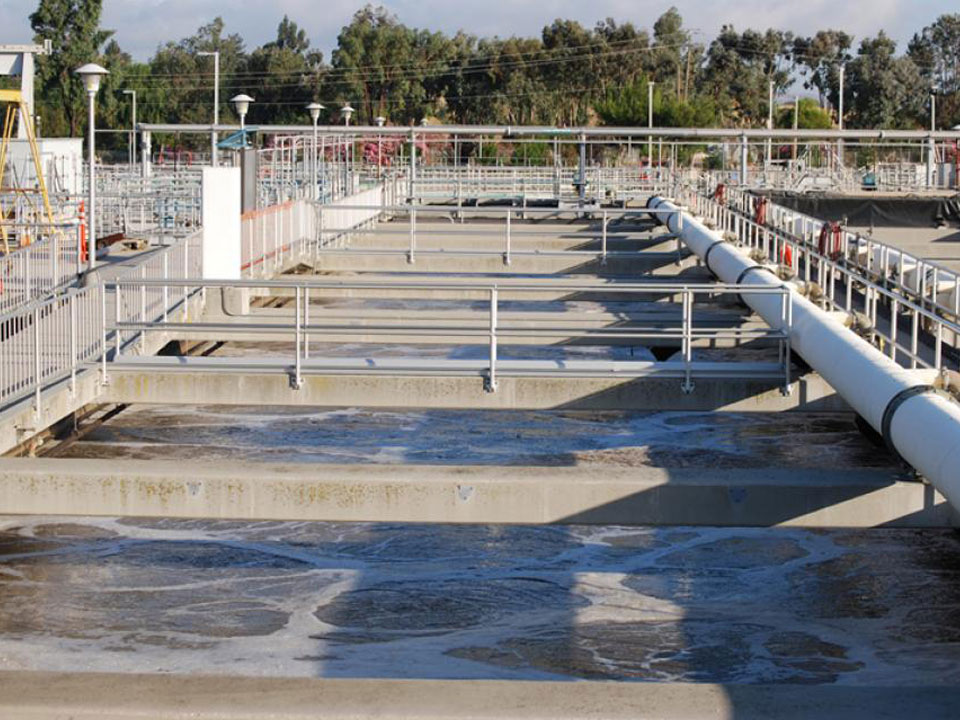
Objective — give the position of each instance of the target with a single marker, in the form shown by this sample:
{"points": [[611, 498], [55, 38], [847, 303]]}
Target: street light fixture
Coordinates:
{"points": [[242, 104], [380, 120], [216, 102], [347, 112], [92, 74], [133, 130], [314, 109]]}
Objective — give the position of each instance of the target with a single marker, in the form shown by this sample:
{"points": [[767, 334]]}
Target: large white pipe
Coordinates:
{"points": [[916, 422]]}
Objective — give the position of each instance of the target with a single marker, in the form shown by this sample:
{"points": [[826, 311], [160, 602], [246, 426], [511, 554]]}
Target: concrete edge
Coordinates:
{"points": [[530, 495], [68, 696]]}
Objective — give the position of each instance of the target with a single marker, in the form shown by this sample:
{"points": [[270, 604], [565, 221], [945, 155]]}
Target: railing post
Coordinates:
{"points": [[306, 322], [143, 309], [506, 254], [491, 384], [166, 288], [687, 386], [297, 381], [103, 336], [603, 241], [413, 235], [73, 344], [116, 321], [37, 368]]}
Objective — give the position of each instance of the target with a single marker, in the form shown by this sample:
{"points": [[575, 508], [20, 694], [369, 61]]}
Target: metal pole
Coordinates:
{"points": [[744, 158], [583, 170], [314, 164], [840, 118], [133, 135], [770, 125], [796, 122], [92, 190], [650, 85], [214, 155]]}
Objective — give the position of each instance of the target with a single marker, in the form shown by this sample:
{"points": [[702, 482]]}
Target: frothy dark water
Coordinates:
{"points": [[377, 600]]}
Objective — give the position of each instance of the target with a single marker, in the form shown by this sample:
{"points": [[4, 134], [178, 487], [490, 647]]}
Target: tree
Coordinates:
{"points": [[885, 90], [73, 28], [284, 76], [936, 53], [820, 58], [811, 116], [627, 107], [739, 69], [180, 87]]}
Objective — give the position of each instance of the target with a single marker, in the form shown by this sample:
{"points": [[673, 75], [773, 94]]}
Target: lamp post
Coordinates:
{"points": [[347, 111], [92, 74], [216, 103], [242, 104], [314, 109], [133, 129]]}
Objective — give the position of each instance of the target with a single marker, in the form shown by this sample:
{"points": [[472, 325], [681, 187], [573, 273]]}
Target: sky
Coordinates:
{"points": [[141, 25]]}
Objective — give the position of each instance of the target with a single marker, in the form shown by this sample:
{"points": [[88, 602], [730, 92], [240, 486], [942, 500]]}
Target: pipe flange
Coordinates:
{"points": [[746, 272], [750, 269], [895, 402], [706, 255]]}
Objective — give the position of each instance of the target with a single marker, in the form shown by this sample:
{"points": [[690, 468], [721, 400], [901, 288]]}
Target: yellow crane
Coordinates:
{"points": [[15, 104]]}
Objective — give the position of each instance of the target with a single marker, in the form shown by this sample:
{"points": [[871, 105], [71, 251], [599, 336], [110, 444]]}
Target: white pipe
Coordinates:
{"points": [[922, 426]]}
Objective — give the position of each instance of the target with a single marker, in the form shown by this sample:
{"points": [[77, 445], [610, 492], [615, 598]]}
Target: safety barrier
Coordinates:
{"points": [[48, 342], [854, 273], [39, 269], [495, 329]]}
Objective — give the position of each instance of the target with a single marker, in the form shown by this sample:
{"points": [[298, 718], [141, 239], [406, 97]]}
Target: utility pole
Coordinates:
{"points": [[216, 103], [133, 130]]}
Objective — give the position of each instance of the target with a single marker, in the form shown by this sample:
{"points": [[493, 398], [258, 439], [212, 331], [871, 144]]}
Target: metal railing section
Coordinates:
{"points": [[42, 268], [460, 234], [50, 341], [306, 329], [862, 275]]}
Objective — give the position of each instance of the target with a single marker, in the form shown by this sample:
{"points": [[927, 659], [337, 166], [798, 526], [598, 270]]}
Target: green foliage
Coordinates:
{"points": [[811, 117], [627, 107], [73, 28], [936, 53]]}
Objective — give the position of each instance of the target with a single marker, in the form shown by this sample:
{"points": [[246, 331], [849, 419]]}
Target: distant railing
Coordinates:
{"points": [[854, 274], [39, 269], [274, 239], [493, 330]]}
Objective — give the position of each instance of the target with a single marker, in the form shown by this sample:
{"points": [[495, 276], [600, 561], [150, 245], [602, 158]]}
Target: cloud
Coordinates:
{"points": [[142, 25]]}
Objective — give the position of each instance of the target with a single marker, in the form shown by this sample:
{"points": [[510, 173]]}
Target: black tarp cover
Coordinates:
{"points": [[873, 211]]}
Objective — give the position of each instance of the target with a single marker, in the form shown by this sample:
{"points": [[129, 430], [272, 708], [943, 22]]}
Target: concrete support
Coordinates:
{"points": [[588, 494], [270, 386], [221, 223]]}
